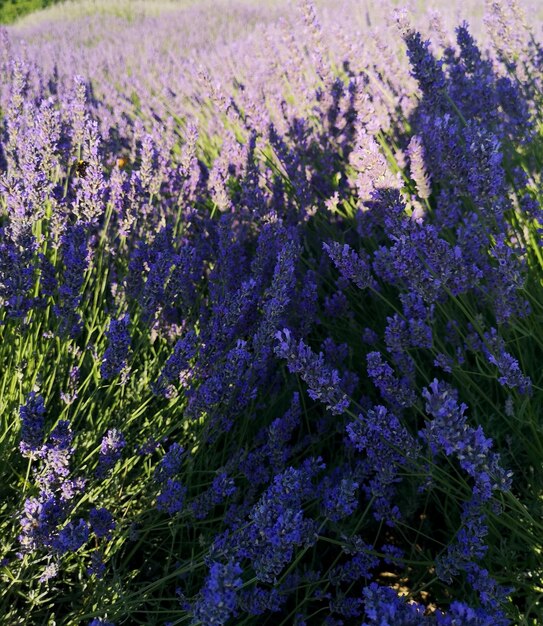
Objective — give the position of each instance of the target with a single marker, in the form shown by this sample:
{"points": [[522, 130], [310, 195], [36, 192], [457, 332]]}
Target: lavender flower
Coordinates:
{"points": [[50, 571], [450, 432], [511, 375], [324, 382], [72, 537], [426, 69], [74, 247], [39, 522], [388, 447], [383, 606], [32, 424], [278, 524], [352, 265], [101, 522], [43, 515], [258, 601], [359, 566], [170, 465], [110, 452], [97, 566], [219, 596], [172, 497], [340, 500], [415, 150], [115, 358], [177, 368], [16, 273], [396, 391]]}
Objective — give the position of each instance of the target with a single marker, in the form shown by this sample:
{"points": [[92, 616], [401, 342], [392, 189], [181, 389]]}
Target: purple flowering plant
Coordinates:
{"points": [[270, 315]]}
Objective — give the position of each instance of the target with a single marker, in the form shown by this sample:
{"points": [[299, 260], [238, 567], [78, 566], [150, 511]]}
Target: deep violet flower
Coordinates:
{"points": [[115, 359]]}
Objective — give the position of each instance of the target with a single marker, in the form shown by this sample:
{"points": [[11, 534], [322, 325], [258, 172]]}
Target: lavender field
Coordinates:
{"points": [[271, 314]]}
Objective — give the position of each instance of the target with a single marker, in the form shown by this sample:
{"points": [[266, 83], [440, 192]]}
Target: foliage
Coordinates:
{"points": [[11, 10]]}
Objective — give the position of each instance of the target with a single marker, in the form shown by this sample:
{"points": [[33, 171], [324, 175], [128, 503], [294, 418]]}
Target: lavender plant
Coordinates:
{"points": [[270, 304]]}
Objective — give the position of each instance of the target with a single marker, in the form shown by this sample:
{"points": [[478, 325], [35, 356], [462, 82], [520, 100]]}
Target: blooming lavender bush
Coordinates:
{"points": [[270, 305]]}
